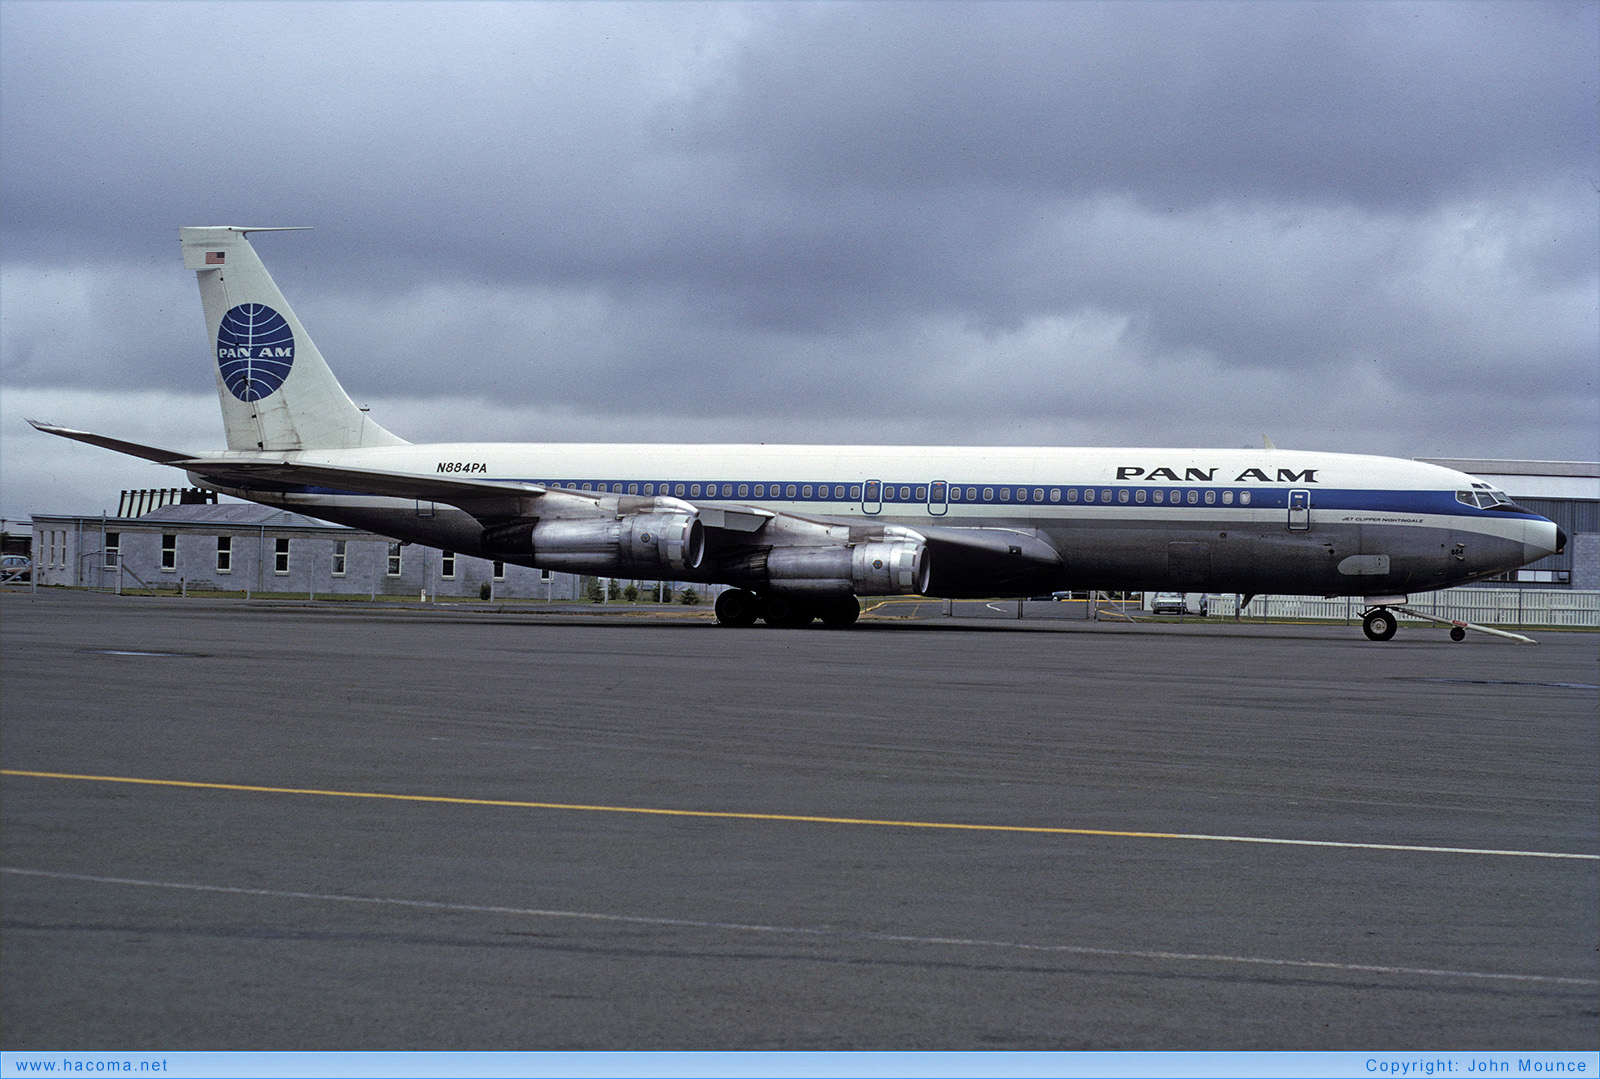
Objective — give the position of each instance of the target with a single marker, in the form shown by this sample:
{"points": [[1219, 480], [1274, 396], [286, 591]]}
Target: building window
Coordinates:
{"points": [[499, 571], [280, 555], [338, 558], [169, 552], [394, 560], [113, 549], [447, 565], [224, 554]]}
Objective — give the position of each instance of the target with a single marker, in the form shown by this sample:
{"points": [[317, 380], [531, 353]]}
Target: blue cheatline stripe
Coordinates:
{"points": [[1031, 494]]}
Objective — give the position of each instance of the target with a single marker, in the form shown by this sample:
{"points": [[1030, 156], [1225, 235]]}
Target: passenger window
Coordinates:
{"points": [[1088, 495], [694, 491], [1227, 498], [1194, 497], [1038, 494], [805, 492], [855, 491], [922, 494], [1211, 498], [789, 491], [679, 490], [1072, 494], [1139, 496], [633, 488], [1159, 497], [1244, 498], [1122, 495], [972, 494], [1005, 494], [988, 494], [905, 494], [1055, 494]]}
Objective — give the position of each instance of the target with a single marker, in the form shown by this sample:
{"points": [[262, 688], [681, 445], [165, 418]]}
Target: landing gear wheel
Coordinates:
{"points": [[840, 613], [787, 613], [1457, 634], [736, 607], [1379, 624]]}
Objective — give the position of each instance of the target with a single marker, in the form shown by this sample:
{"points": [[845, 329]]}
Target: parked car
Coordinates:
{"points": [[1169, 603], [15, 568]]}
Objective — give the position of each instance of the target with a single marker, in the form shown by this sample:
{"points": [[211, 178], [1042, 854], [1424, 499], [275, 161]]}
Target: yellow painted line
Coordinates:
{"points": [[792, 817]]}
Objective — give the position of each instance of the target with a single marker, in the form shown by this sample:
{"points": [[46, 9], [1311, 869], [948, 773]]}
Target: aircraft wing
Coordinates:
{"points": [[292, 475]]}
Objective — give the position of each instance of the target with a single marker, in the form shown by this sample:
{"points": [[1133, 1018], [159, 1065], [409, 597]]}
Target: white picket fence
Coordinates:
{"points": [[1487, 606]]}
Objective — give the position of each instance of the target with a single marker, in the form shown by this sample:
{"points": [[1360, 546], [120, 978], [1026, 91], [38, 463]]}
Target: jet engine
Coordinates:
{"points": [[661, 544], [891, 566]]}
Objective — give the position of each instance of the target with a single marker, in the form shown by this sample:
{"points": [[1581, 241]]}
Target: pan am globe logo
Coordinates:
{"points": [[255, 349]]}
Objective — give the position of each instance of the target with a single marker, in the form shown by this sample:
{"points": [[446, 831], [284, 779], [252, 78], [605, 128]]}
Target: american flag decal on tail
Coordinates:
{"points": [[216, 258]]}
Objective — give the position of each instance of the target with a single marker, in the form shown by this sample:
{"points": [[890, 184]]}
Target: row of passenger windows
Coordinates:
{"points": [[937, 493]]}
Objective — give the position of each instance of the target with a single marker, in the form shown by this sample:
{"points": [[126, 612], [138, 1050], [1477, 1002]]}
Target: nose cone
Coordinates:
{"points": [[1542, 539]]}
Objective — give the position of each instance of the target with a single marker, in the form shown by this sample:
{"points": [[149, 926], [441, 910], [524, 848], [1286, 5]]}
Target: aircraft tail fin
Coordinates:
{"points": [[277, 392]]}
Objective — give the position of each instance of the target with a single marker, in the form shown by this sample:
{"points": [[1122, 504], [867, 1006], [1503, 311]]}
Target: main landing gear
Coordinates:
{"points": [[741, 607], [1380, 623]]}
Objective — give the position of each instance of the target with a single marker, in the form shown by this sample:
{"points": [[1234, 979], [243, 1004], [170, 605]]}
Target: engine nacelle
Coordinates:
{"points": [[666, 545], [885, 567]]}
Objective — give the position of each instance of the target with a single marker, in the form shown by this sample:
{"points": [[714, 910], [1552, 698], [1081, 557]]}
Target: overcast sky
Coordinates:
{"points": [[1359, 227]]}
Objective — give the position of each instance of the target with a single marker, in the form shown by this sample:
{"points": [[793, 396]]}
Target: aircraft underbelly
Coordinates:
{"points": [[1117, 555]]}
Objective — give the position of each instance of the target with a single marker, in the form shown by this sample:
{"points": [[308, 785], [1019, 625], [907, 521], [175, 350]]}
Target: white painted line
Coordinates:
{"points": [[439, 799], [834, 934]]}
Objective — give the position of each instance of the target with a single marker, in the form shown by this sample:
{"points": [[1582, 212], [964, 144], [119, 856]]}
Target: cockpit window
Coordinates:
{"points": [[1485, 497]]}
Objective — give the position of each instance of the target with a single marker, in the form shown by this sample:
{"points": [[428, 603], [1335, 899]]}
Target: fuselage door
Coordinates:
{"points": [[1299, 511], [938, 497], [872, 496]]}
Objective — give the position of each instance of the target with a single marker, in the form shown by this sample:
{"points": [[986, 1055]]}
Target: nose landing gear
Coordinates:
{"points": [[1380, 624]]}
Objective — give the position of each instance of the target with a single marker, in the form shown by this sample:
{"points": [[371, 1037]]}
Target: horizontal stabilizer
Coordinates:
{"points": [[132, 449]]}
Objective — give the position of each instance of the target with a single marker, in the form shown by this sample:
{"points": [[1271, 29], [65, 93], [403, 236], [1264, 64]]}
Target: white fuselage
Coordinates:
{"points": [[1222, 520]]}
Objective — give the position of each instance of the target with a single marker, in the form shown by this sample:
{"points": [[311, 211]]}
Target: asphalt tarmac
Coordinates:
{"points": [[361, 827]]}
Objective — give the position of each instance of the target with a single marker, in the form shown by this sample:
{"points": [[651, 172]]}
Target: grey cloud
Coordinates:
{"points": [[942, 222]]}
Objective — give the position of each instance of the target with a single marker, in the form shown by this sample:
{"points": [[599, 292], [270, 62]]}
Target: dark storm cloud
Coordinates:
{"points": [[1141, 222], [1181, 103]]}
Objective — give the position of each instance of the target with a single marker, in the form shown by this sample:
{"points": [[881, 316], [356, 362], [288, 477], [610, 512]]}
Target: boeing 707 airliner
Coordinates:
{"points": [[800, 532]]}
